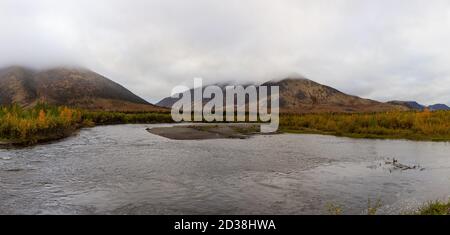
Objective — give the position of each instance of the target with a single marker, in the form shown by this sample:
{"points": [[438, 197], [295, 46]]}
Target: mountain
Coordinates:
{"points": [[169, 101], [73, 87], [301, 95], [416, 106], [409, 104], [436, 107]]}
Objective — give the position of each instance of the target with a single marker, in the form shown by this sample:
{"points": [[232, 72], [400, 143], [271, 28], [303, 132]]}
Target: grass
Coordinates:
{"points": [[372, 208], [43, 123], [430, 126], [430, 208], [435, 208], [19, 126]]}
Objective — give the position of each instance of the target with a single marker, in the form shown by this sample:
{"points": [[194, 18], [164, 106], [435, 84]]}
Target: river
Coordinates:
{"points": [[124, 169]]}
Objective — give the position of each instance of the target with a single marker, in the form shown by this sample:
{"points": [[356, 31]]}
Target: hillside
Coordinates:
{"points": [[305, 96], [302, 95], [67, 86]]}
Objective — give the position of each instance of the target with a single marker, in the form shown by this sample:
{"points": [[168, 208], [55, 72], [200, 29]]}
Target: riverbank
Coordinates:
{"points": [[404, 136], [430, 208], [42, 123], [39, 139], [435, 208], [419, 126]]}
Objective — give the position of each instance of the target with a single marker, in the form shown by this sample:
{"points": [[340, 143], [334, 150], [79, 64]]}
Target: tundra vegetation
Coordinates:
{"points": [[27, 126], [43, 123], [430, 208], [435, 208], [426, 125]]}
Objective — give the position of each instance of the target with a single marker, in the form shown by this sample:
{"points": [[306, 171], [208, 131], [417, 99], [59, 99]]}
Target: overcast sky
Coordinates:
{"points": [[379, 49]]}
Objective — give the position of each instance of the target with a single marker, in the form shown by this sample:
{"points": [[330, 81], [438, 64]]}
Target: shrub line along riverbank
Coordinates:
{"points": [[426, 125], [43, 123]]}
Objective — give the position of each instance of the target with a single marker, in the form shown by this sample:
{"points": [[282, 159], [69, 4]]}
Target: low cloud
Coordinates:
{"points": [[376, 49]]}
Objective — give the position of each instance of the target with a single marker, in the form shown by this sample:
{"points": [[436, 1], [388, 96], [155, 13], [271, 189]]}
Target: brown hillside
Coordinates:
{"points": [[301, 95], [306, 96], [67, 86]]}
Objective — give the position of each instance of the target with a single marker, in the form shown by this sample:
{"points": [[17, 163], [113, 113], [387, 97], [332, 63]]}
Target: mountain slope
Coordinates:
{"points": [[169, 101], [301, 95], [409, 104], [437, 107], [305, 96], [67, 86]]}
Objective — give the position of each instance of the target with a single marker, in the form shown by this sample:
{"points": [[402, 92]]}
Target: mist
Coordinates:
{"points": [[384, 50]]}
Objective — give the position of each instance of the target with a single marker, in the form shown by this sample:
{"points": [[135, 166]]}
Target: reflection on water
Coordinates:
{"points": [[125, 170]]}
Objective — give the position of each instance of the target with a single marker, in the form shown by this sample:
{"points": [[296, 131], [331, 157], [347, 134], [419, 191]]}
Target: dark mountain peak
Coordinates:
{"points": [[416, 106], [436, 107]]}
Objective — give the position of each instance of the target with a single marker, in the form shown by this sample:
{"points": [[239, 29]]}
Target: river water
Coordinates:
{"points": [[126, 170]]}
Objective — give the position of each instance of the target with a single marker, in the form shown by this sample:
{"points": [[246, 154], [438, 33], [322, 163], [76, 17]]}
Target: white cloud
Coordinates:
{"points": [[380, 49]]}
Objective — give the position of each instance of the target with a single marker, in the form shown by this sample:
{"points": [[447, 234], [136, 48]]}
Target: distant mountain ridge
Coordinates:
{"points": [[75, 87], [78, 87], [436, 107], [301, 95], [416, 106], [169, 101], [409, 104]]}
